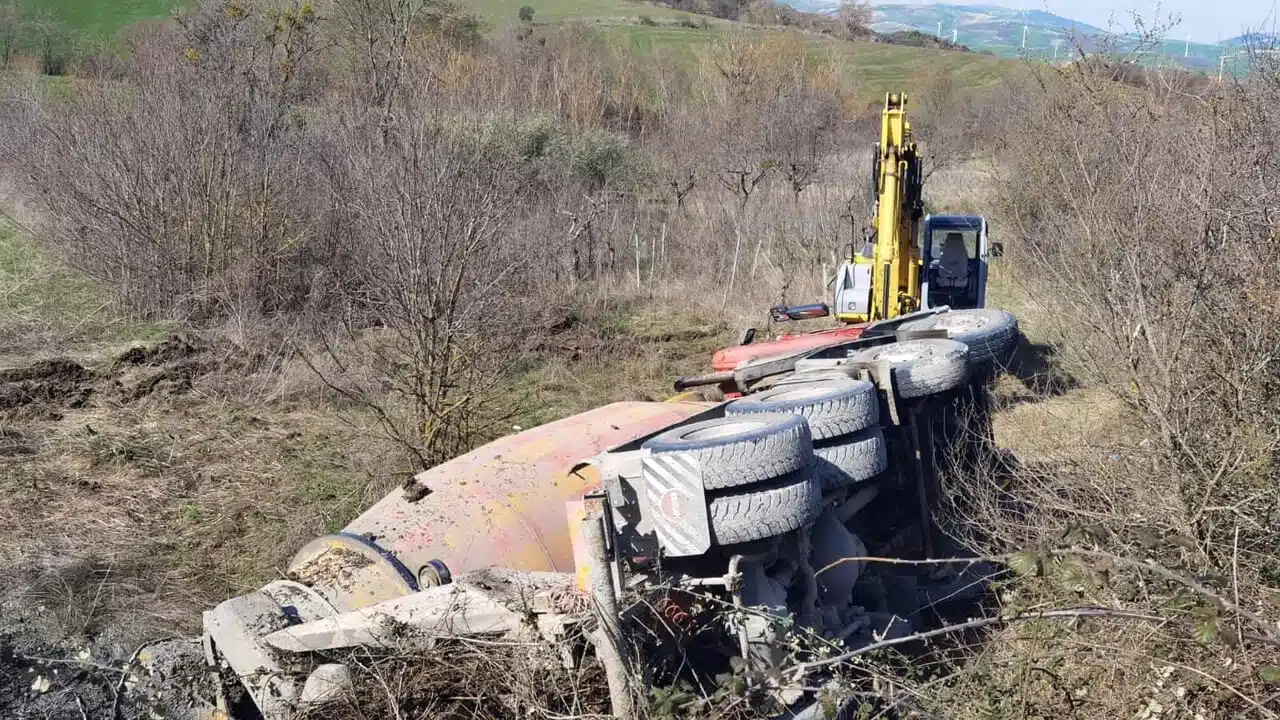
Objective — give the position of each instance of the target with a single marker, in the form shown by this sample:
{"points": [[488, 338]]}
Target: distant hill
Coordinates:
{"points": [[981, 27], [1254, 39], [1000, 30]]}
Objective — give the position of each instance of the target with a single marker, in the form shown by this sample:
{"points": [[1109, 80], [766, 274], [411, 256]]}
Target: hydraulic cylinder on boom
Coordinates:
{"points": [[881, 280]]}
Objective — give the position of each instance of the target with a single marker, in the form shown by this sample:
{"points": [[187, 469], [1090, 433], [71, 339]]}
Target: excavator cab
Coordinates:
{"points": [[955, 251]]}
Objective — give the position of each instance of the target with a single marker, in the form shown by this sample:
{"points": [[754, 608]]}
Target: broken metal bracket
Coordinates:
{"points": [[882, 375]]}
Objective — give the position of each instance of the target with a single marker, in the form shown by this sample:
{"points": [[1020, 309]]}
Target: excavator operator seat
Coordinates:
{"points": [[955, 251], [953, 266]]}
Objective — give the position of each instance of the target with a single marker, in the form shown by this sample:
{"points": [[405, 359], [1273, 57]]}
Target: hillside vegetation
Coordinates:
{"points": [[61, 37]]}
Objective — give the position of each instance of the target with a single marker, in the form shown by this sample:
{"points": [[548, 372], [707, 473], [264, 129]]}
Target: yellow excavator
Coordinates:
{"points": [[905, 262], [909, 261]]}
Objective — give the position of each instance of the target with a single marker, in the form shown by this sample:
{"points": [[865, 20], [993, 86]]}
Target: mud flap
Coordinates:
{"points": [[675, 495]]}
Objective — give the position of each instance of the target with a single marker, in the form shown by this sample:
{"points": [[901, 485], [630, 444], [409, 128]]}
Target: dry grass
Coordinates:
{"points": [[1056, 428], [461, 680], [193, 479], [129, 518]]}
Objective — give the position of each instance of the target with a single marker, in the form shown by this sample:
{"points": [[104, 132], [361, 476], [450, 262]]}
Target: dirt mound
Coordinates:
{"points": [[169, 368], [61, 382], [174, 350]]}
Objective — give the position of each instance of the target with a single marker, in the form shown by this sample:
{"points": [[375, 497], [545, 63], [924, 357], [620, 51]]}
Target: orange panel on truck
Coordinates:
{"points": [[730, 358]]}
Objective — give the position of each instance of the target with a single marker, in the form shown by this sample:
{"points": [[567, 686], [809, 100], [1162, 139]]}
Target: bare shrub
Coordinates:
{"points": [[21, 103], [380, 39], [180, 190], [1160, 268], [438, 318], [855, 18], [1143, 244]]}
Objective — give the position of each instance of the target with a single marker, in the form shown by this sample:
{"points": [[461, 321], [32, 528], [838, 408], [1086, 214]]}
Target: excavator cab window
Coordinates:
{"points": [[954, 242], [955, 257]]}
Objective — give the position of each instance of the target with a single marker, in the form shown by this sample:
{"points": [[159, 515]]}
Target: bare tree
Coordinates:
{"points": [[438, 316], [855, 18], [380, 35], [800, 133]]}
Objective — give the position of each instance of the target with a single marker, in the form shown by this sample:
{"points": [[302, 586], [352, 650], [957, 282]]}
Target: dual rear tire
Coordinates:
{"points": [[757, 473], [766, 464]]}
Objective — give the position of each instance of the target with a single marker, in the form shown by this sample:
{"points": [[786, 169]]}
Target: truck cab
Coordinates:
{"points": [[955, 252]]}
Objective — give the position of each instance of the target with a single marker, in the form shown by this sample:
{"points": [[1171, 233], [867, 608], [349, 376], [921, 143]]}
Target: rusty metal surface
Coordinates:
{"points": [[734, 357], [503, 504]]}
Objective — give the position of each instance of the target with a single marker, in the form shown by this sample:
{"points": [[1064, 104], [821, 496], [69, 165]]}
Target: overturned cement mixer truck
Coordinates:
{"points": [[660, 531]]}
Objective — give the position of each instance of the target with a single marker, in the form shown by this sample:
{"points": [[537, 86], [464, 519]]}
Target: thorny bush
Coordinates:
{"points": [[1144, 239]]}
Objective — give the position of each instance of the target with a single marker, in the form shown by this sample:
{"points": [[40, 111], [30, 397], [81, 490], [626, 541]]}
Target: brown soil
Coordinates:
{"points": [[168, 369], [57, 382]]}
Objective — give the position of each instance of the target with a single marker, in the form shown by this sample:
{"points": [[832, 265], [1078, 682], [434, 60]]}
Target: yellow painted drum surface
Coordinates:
{"points": [[503, 504]]}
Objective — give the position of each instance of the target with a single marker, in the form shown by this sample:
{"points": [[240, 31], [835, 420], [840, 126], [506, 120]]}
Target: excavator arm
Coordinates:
{"points": [[881, 280]]}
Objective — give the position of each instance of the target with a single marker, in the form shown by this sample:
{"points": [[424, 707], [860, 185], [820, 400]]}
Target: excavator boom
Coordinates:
{"points": [[882, 280]]}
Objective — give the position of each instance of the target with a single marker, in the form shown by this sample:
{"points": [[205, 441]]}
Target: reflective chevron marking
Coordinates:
{"points": [[673, 489]]}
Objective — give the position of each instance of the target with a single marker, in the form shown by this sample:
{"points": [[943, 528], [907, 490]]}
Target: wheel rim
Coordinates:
{"points": [[723, 430], [962, 322], [898, 353]]}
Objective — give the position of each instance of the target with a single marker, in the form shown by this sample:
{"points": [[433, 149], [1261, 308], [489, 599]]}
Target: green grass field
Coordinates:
{"points": [[97, 18], [501, 12], [879, 68], [46, 306]]}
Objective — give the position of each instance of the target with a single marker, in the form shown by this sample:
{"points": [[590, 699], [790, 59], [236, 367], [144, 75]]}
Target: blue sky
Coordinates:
{"points": [[1203, 20]]}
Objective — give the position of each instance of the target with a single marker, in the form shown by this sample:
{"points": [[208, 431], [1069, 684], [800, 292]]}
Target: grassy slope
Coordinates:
{"points": [[48, 309], [499, 12], [877, 67], [131, 514], [98, 17]]}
